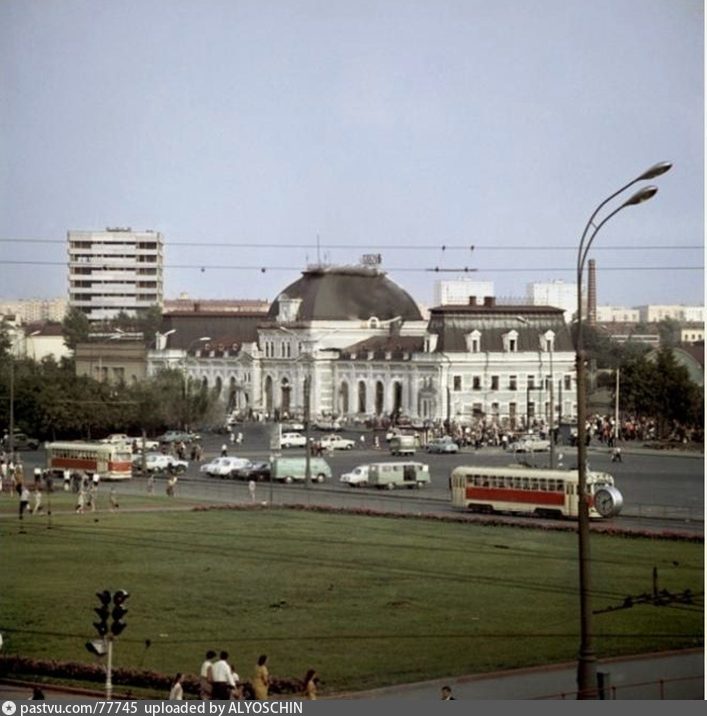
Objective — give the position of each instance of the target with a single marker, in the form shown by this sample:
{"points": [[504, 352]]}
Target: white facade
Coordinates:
{"points": [[656, 313], [115, 270], [692, 334], [458, 291], [617, 314], [554, 293]]}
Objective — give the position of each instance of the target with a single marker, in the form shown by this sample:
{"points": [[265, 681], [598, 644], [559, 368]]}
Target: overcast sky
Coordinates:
{"points": [[396, 127]]}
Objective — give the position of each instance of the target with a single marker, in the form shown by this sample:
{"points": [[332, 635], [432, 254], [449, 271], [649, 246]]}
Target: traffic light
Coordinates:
{"points": [[103, 612], [119, 611]]}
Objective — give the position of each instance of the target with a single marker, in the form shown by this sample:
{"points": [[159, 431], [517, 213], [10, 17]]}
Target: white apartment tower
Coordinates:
{"points": [[458, 291], [554, 293], [115, 270]]}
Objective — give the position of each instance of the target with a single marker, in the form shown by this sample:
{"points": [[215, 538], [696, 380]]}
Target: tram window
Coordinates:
{"points": [[525, 483], [542, 483], [560, 487], [534, 483]]}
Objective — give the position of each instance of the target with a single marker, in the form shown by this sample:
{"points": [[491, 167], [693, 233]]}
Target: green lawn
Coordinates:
{"points": [[367, 601]]}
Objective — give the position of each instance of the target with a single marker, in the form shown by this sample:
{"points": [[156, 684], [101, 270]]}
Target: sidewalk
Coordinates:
{"points": [[671, 675]]}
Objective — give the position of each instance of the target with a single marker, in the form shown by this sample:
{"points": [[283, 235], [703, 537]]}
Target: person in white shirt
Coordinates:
{"points": [[176, 693], [223, 680], [205, 676]]}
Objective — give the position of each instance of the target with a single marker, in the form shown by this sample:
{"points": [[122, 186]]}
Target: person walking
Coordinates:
{"points": [[224, 450], [261, 679], [151, 485], [205, 675], [447, 694], [171, 485], [223, 680], [176, 691], [81, 502], [37, 500], [251, 490], [309, 690], [239, 439], [24, 500], [113, 500]]}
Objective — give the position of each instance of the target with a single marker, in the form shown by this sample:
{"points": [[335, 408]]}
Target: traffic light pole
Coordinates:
{"points": [[109, 667]]}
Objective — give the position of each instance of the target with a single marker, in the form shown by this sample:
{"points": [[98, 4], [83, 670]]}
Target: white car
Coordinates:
{"points": [[158, 462], [288, 440], [530, 443], [224, 466], [123, 439], [335, 442]]}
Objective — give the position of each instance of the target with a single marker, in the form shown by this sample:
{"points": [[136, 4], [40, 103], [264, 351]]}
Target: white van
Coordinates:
{"points": [[403, 444], [290, 469], [388, 474]]}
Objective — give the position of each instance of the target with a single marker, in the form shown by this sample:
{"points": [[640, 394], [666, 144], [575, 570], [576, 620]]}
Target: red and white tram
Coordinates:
{"points": [[110, 461], [532, 491]]}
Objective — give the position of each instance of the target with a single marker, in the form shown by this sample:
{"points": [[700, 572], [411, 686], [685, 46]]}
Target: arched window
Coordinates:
{"points": [[361, 397], [285, 395], [268, 394], [344, 398], [380, 395]]}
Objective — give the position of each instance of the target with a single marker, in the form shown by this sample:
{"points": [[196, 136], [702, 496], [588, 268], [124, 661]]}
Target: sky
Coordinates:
{"points": [[456, 138]]}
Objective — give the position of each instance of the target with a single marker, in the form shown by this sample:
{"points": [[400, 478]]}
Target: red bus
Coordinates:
{"points": [[109, 461]]}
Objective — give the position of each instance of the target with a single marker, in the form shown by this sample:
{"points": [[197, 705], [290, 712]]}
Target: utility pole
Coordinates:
{"points": [[308, 447]]}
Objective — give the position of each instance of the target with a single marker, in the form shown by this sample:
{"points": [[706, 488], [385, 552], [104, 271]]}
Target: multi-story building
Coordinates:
{"points": [[115, 270], [457, 291], [35, 310], [692, 333], [656, 313], [554, 293], [617, 314], [356, 345]]}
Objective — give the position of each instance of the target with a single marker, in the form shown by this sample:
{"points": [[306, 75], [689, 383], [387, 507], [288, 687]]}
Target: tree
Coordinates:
{"points": [[669, 331], [75, 327]]}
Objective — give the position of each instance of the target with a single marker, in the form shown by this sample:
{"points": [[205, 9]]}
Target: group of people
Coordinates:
{"points": [[219, 682]]}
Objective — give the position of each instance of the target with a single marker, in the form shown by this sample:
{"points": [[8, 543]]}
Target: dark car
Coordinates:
{"points": [[259, 470], [21, 441]]}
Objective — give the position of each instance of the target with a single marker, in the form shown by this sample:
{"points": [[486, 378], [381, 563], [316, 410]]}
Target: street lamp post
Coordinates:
{"points": [[586, 665]]}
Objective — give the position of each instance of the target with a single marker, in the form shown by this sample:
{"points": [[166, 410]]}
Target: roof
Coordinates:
{"points": [[452, 324], [221, 328], [347, 293], [380, 345]]}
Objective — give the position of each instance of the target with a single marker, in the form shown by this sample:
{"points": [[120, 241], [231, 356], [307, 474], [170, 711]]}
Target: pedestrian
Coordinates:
{"points": [[37, 500], [113, 500], [309, 690], [251, 489], [37, 694], [231, 437], [176, 692], [447, 694], [616, 455], [223, 680], [37, 475], [376, 443], [239, 438], [151, 485], [171, 485], [24, 499], [362, 440], [224, 450], [81, 501], [67, 480], [261, 679], [205, 675]]}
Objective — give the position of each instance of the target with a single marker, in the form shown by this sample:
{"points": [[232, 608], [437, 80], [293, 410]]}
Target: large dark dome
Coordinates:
{"points": [[347, 293]]}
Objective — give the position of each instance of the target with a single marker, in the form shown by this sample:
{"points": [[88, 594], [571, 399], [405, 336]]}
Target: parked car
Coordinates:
{"points": [[323, 424], [178, 436], [291, 469], [530, 443], [335, 442], [258, 470], [288, 440], [292, 426], [442, 445], [388, 475], [158, 462], [21, 441], [123, 439], [224, 466]]}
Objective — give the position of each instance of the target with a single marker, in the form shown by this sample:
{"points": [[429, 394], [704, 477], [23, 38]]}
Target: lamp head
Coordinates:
{"points": [[655, 171], [644, 194]]}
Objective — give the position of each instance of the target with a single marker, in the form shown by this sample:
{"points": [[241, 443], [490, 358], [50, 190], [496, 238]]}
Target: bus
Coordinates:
{"points": [[549, 493], [110, 461]]}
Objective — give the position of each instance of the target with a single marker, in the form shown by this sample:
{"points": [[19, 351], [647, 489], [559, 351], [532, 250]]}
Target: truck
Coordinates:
{"points": [[388, 475], [403, 444], [291, 469]]}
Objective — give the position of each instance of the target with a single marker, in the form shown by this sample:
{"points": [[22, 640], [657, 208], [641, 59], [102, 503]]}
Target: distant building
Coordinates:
{"points": [[617, 314], [629, 332], [45, 340], [115, 270], [184, 304], [35, 310], [554, 293], [457, 291], [692, 333], [114, 362], [656, 313]]}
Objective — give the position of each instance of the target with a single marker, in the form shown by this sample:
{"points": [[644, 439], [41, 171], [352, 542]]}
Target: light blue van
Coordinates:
{"points": [[294, 469]]}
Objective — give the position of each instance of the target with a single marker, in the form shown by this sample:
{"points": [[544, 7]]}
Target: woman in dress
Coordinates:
{"points": [[261, 679]]}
